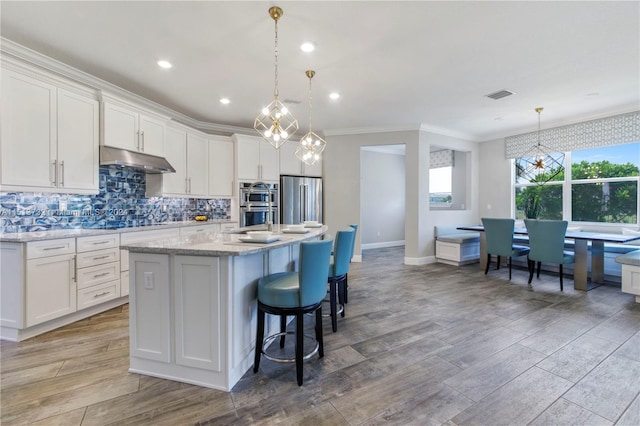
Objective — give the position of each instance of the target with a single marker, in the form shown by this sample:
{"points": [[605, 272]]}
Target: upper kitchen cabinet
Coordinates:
{"points": [[128, 128], [221, 180], [256, 159], [188, 152], [49, 134], [291, 165]]}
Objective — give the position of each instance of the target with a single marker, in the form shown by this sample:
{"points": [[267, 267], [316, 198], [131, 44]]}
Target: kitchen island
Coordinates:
{"points": [[193, 303]]}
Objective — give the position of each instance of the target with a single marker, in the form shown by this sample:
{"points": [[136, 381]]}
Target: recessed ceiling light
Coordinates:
{"points": [[164, 64], [334, 95], [308, 46], [225, 101]]}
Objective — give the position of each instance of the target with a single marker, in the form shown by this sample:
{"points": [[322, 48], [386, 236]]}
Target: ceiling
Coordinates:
{"points": [[396, 64]]}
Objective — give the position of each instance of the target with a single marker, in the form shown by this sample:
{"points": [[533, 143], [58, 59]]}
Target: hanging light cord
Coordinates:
{"points": [[275, 90], [310, 104]]}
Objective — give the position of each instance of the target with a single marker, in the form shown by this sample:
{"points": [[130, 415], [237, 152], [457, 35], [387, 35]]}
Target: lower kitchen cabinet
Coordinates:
{"points": [[50, 288]]}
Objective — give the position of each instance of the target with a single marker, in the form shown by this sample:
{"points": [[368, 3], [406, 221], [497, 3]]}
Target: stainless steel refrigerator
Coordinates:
{"points": [[300, 199]]}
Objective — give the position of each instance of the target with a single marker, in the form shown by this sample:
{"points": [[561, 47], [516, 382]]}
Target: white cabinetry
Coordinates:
{"points": [[50, 290], [221, 170], [49, 136], [256, 159], [139, 237], [188, 153], [127, 128], [291, 165], [98, 269]]}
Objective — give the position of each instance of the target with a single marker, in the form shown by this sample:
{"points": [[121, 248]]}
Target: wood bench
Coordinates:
{"points": [[456, 247], [630, 272]]}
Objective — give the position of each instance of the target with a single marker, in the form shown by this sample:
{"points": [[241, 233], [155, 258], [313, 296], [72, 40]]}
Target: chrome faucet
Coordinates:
{"points": [[269, 222]]}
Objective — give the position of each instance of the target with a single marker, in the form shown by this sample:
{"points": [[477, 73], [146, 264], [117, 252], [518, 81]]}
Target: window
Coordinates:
{"points": [[600, 186], [604, 184], [440, 186]]}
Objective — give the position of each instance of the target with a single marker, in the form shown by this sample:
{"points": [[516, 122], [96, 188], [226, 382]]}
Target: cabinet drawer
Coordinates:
{"points": [[98, 257], [198, 229], [98, 242], [228, 226], [93, 275], [36, 249], [95, 295]]}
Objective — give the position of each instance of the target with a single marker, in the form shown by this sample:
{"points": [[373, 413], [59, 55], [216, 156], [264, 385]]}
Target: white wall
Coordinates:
{"points": [[382, 198], [495, 198], [342, 186]]}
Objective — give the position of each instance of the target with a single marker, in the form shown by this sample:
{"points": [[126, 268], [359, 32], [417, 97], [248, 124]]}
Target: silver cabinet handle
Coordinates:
{"points": [[101, 275], [73, 268], [138, 140], [101, 242], [54, 248], [61, 183], [142, 140], [53, 176], [189, 185], [100, 257], [100, 294]]}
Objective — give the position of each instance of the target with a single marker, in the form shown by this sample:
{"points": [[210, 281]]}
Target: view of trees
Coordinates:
{"points": [[613, 202]]}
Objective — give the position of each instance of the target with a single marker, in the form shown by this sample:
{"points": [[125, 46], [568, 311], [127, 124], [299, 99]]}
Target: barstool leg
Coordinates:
{"points": [[346, 288], [299, 346], [283, 328], [342, 290], [332, 304], [259, 340], [319, 337]]}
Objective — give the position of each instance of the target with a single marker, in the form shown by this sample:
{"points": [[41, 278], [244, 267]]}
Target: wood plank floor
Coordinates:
{"points": [[424, 345]]}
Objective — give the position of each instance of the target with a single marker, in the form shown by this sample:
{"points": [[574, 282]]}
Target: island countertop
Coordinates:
{"points": [[222, 243]]}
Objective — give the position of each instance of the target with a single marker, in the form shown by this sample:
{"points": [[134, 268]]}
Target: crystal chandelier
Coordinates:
{"points": [[275, 123], [540, 164], [311, 145]]}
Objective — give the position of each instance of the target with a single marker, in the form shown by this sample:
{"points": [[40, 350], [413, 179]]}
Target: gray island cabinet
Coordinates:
{"points": [[193, 304]]}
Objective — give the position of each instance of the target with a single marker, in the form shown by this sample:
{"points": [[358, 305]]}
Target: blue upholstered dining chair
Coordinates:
{"points": [[295, 294], [499, 236], [338, 269], [546, 240]]}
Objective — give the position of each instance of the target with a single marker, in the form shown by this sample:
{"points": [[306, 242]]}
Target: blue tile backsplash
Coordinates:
{"points": [[121, 203]]}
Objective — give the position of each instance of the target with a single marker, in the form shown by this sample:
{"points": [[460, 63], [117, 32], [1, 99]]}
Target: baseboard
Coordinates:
{"points": [[382, 245], [357, 258], [417, 261]]}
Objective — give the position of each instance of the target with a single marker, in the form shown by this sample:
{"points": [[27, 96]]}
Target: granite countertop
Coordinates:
{"points": [[222, 244], [25, 237]]}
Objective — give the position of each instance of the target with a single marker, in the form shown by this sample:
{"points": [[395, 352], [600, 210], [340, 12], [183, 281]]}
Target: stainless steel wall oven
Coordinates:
{"points": [[258, 201]]}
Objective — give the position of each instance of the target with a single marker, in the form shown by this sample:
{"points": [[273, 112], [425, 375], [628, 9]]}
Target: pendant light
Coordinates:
{"points": [[275, 123], [540, 164], [311, 145]]}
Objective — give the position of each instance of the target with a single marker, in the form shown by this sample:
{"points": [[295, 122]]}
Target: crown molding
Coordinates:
{"points": [[365, 130], [33, 58]]}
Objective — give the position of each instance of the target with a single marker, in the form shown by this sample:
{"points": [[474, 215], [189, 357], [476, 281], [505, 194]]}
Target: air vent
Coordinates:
{"points": [[499, 94], [292, 101]]}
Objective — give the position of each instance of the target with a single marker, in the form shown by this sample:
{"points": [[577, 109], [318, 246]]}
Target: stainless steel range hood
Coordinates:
{"points": [[137, 160]]}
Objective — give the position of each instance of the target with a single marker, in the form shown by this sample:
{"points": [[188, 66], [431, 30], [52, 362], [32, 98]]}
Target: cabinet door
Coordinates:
{"points": [[289, 163], [50, 288], [78, 142], [152, 136], [197, 300], [269, 162], [121, 127], [247, 158], [176, 155], [28, 125], [198, 164], [221, 167]]}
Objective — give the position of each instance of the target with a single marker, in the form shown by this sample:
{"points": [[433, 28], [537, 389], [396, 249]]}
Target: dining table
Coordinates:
{"points": [[582, 241]]}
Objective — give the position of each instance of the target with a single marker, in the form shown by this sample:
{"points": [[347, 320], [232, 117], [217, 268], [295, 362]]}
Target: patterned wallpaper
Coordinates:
{"points": [[614, 130], [121, 203]]}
